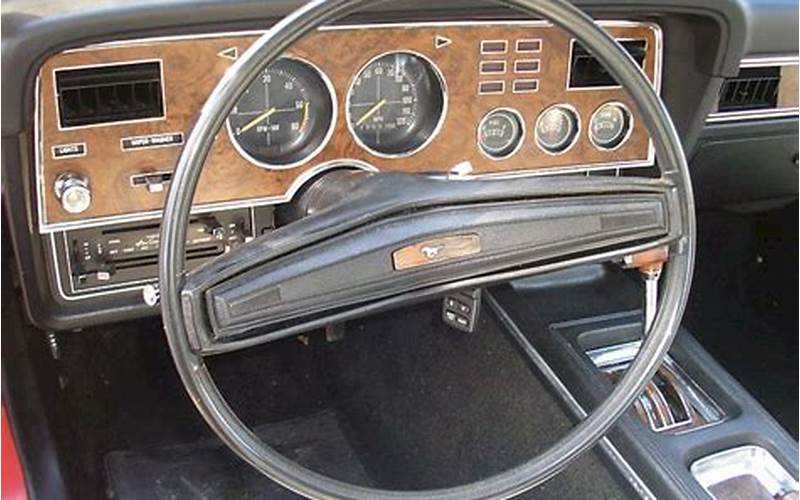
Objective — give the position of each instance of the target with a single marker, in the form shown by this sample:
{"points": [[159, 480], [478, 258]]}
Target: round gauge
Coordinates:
{"points": [[284, 117], [396, 104], [557, 128], [500, 133], [610, 125]]}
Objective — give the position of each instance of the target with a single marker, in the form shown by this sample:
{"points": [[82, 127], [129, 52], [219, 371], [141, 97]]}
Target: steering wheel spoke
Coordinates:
{"points": [[398, 235]]}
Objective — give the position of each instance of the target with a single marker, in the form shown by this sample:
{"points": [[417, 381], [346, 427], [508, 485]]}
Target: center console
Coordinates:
{"points": [[695, 432]]}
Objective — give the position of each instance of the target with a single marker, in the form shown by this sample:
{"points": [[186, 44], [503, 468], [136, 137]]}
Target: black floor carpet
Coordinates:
{"points": [[743, 306], [115, 388], [418, 404], [411, 404], [427, 406], [208, 470]]}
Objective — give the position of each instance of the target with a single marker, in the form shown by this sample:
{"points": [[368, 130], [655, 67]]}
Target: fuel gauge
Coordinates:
{"points": [[500, 133]]}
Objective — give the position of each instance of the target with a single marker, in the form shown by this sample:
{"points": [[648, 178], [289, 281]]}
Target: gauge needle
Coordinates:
{"points": [[258, 119], [374, 109], [305, 115]]}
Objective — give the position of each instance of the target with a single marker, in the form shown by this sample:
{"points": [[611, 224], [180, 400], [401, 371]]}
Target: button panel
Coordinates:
{"points": [[461, 310]]}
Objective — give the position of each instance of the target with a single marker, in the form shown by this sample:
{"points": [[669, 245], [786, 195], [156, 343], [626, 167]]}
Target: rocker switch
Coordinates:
{"points": [[461, 310]]}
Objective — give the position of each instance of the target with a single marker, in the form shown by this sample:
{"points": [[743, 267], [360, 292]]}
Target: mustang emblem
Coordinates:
{"points": [[431, 252], [436, 250]]}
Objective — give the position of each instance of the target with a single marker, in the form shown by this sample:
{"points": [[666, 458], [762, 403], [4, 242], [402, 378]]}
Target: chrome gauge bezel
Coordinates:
{"points": [[575, 136], [311, 155], [522, 127], [440, 123], [625, 137]]}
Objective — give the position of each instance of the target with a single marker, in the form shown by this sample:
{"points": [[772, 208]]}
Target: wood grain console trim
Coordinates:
{"points": [[192, 66]]}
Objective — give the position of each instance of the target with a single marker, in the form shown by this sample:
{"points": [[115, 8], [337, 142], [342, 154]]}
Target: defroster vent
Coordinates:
{"points": [[752, 88], [108, 94]]}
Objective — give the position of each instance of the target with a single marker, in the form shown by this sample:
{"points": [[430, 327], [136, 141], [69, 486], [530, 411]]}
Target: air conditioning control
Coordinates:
{"points": [[73, 191]]}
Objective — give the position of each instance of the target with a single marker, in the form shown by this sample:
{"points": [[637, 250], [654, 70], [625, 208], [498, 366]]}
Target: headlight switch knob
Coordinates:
{"points": [[73, 191]]}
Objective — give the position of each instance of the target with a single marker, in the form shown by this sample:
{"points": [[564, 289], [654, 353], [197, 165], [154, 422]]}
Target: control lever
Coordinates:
{"points": [[461, 310], [649, 263]]}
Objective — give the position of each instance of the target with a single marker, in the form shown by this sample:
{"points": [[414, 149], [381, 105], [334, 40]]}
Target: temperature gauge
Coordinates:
{"points": [[500, 133]]}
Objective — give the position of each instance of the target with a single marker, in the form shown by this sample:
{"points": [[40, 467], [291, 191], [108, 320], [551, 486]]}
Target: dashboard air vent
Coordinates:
{"points": [[107, 94], [587, 72], [753, 88]]}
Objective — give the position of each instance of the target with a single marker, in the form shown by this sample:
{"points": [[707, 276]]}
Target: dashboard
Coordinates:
{"points": [[98, 104], [457, 98]]}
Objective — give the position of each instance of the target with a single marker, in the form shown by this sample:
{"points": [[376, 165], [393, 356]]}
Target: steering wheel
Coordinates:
{"points": [[341, 262]]}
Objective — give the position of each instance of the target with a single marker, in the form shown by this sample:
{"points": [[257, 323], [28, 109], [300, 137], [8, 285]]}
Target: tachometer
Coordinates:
{"points": [[285, 116], [396, 104]]}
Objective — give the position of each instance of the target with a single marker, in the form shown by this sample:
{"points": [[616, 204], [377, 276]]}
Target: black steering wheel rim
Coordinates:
{"points": [[191, 366]]}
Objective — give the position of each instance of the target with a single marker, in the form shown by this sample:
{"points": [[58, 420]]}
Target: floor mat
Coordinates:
{"points": [[208, 470]]}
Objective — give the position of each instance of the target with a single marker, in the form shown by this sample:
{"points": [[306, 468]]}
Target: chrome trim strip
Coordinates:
{"points": [[758, 62], [633, 478], [45, 228], [758, 114]]}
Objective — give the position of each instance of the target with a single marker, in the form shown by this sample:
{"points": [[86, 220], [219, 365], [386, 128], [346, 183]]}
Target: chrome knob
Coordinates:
{"points": [[73, 191]]}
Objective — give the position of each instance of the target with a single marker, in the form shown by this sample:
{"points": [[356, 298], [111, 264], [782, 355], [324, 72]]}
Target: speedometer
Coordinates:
{"points": [[285, 116], [396, 104]]}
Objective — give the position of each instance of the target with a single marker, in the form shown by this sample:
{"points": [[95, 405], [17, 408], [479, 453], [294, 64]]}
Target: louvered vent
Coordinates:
{"points": [[751, 89], [587, 72], [107, 94]]}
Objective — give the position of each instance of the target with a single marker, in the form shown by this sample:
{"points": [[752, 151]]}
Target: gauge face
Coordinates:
{"points": [[556, 129], [284, 117], [396, 104], [609, 125], [500, 133]]}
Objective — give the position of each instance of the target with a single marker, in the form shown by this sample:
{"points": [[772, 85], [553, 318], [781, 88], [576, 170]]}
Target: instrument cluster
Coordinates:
{"points": [[473, 98], [394, 107]]}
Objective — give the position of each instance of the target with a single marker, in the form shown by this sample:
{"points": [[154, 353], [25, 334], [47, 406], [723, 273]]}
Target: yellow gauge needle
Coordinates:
{"points": [[374, 109], [305, 116], [258, 119]]}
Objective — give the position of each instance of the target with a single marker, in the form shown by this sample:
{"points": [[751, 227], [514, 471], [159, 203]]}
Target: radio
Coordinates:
{"points": [[120, 256]]}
